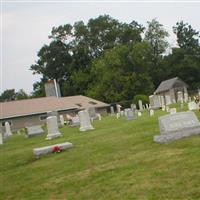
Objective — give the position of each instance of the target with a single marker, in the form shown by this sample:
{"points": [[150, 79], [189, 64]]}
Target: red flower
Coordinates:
{"points": [[56, 149]]}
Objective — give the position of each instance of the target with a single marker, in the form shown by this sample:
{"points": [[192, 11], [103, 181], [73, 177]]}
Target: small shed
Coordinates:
{"points": [[172, 90]]}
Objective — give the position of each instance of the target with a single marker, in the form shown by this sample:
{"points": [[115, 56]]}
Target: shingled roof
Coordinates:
{"points": [[42, 105], [168, 84]]}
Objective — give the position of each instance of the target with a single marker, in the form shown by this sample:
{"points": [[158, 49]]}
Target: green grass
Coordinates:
{"points": [[117, 160]]}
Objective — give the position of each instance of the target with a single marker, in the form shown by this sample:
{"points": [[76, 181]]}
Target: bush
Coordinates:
{"points": [[144, 98]]}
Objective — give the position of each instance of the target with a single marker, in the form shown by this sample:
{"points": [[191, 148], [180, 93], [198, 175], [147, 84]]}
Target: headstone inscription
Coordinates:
{"points": [[177, 126], [85, 123], [34, 130], [52, 127]]}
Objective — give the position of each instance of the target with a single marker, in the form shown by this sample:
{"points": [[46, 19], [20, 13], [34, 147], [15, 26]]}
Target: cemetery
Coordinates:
{"points": [[138, 154]]}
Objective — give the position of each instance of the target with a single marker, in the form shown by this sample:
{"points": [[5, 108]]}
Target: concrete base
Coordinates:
{"points": [[177, 135], [48, 149], [86, 128], [55, 135]]}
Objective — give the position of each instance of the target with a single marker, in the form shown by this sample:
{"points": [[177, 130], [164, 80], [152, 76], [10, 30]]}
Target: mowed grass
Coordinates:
{"points": [[117, 160]]}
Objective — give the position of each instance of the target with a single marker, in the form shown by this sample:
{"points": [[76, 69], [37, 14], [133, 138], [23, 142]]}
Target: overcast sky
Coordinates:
{"points": [[26, 25]]}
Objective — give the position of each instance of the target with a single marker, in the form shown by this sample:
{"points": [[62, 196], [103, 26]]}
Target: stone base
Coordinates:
{"points": [[48, 149], [86, 128], [55, 135], [178, 135]]}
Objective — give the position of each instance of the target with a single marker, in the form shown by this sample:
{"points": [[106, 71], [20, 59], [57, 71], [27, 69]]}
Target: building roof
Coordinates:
{"points": [[42, 105], [168, 84]]}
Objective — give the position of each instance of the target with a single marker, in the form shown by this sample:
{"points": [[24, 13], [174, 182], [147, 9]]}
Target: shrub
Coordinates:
{"points": [[144, 98]]}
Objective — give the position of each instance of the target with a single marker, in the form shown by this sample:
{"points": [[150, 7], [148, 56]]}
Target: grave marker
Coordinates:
{"points": [[85, 123]]}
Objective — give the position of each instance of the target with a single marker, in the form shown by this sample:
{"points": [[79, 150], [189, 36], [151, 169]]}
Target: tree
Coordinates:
{"points": [[8, 95], [21, 94], [187, 38]]}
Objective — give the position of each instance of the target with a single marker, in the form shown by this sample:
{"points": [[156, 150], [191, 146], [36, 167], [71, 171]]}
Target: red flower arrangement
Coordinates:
{"points": [[56, 149]]}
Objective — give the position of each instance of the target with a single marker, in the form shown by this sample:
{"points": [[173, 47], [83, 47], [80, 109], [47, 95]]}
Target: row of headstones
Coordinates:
{"points": [[52, 126]]}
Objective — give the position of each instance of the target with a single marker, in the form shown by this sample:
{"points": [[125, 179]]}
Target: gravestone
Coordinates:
{"points": [[54, 113], [177, 126], [151, 112], [130, 114], [52, 127], [62, 121], [167, 109], [112, 110], [85, 123], [49, 149], [163, 107], [34, 130], [154, 101], [118, 115], [125, 112], [1, 138], [139, 114], [140, 105], [75, 121], [99, 116], [168, 100], [122, 113], [192, 105], [147, 106], [172, 111], [8, 132], [118, 108], [92, 113]]}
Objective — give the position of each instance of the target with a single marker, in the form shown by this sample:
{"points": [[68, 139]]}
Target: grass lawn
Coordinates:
{"points": [[117, 160]]}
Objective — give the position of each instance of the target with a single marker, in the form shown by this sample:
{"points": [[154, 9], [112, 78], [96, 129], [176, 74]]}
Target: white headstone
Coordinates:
{"points": [[85, 123], [117, 115], [167, 109], [139, 114], [1, 138], [62, 121], [172, 110], [163, 107], [52, 127], [99, 116], [125, 112], [192, 105], [151, 112], [154, 101], [8, 132], [140, 105], [112, 110], [118, 108]]}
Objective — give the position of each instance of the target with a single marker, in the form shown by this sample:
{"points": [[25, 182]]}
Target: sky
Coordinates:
{"points": [[26, 25]]}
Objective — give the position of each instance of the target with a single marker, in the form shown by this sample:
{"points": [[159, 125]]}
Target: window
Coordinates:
{"points": [[92, 102], [42, 117]]}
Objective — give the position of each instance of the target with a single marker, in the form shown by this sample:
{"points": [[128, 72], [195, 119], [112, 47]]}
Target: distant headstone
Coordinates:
{"points": [[122, 113], [92, 113], [151, 112], [118, 108], [99, 116], [130, 114], [118, 115], [75, 121], [62, 121], [154, 101], [163, 107], [172, 110], [176, 126], [139, 114], [52, 127], [125, 112], [112, 110], [34, 130], [140, 105], [168, 100], [8, 132], [85, 123], [167, 109], [1, 138], [192, 105]]}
